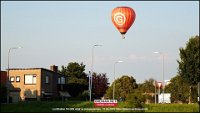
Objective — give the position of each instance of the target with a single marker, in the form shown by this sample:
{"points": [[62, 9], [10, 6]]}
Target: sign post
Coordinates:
{"points": [[159, 86]]}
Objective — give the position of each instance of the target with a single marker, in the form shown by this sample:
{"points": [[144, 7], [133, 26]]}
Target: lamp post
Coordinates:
{"points": [[8, 80], [155, 91], [90, 78], [162, 72], [114, 79]]}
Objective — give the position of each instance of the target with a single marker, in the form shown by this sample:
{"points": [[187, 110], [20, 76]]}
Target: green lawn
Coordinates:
{"points": [[83, 106], [173, 107]]}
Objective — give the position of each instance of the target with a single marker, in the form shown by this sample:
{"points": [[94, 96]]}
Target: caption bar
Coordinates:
{"points": [[96, 109]]}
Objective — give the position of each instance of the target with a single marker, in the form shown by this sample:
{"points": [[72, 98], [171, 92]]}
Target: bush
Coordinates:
{"points": [[135, 100], [84, 95], [81, 97]]}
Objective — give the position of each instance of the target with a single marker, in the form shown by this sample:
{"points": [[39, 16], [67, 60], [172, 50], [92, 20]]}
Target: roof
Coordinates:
{"points": [[25, 68], [34, 69], [64, 94]]}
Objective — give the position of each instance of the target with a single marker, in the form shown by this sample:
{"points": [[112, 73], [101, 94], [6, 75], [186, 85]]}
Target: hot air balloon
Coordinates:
{"points": [[123, 18]]}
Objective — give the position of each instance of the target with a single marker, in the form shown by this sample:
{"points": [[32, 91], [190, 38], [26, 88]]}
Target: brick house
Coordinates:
{"points": [[3, 77], [35, 83]]}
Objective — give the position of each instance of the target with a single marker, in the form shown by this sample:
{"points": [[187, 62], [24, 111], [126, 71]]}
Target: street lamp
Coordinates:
{"points": [[162, 71], [114, 79], [8, 81], [90, 78]]}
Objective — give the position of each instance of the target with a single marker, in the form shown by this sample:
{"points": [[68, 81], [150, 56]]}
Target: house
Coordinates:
{"points": [[35, 83], [3, 77], [4, 80]]}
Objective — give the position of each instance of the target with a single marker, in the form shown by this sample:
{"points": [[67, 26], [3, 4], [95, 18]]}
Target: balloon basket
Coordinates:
{"points": [[123, 36]]}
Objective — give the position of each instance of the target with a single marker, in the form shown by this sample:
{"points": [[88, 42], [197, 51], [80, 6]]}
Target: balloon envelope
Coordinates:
{"points": [[123, 17]]}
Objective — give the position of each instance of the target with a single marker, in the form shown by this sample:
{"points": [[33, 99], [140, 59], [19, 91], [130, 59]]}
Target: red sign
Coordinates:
{"points": [[104, 103], [159, 84]]}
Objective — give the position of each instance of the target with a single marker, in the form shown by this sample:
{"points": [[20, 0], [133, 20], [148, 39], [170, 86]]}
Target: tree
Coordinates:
{"points": [[63, 70], [123, 86], [146, 88], [99, 84], [74, 69], [178, 88], [77, 78], [189, 63]]}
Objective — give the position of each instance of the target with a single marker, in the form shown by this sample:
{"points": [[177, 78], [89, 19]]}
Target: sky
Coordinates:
{"points": [[57, 33]]}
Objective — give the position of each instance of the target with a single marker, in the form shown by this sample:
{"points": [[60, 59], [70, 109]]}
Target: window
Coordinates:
{"points": [[30, 79], [47, 79], [12, 79], [34, 79], [17, 78], [59, 80], [62, 80]]}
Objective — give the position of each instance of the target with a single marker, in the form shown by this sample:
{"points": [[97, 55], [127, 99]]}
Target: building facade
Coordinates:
{"points": [[35, 83], [3, 77]]}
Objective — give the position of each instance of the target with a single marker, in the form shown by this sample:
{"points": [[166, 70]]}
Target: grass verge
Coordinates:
{"points": [[85, 106]]}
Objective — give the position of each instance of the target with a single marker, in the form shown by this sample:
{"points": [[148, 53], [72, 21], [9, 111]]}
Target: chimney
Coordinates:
{"points": [[54, 68]]}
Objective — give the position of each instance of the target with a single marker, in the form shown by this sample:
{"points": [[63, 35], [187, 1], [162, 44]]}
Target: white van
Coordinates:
{"points": [[167, 98]]}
